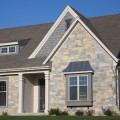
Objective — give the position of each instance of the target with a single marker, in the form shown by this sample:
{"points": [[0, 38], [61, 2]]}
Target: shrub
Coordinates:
{"points": [[64, 112], [108, 112], [79, 113], [54, 111], [90, 112], [4, 113]]}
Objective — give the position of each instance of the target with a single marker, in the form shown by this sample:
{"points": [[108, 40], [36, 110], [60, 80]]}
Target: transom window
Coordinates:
{"points": [[78, 87], [7, 50], [3, 93]]}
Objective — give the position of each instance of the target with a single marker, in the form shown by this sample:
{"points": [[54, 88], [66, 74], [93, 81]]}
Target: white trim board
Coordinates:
{"points": [[8, 44], [24, 69], [89, 31], [66, 10]]}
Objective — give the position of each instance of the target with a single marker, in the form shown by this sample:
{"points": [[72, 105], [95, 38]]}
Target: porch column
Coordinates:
{"points": [[47, 78], [20, 100]]}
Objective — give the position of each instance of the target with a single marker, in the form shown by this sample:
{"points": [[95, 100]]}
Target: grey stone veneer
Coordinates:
{"points": [[55, 37], [12, 95], [81, 46]]}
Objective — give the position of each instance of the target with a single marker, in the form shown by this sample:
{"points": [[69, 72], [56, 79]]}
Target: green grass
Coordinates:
{"points": [[58, 118]]}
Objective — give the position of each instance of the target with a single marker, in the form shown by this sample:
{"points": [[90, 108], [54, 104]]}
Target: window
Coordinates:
{"points": [[11, 49], [73, 88], [78, 87], [79, 90], [68, 23], [8, 50], [3, 93], [79, 84], [4, 50]]}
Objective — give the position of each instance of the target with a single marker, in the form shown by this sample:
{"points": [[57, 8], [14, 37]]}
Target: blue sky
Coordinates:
{"points": [[15, 13]]}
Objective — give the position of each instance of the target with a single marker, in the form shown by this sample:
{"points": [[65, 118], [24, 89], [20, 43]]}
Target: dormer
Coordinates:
{"points": [[9, 48]]}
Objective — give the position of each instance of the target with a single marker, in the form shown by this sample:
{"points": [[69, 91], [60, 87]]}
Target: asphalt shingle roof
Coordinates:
{"points": [[106, 28], [34, 34]]}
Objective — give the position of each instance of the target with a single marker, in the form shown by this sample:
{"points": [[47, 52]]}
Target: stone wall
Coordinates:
{"points": [[81, 46], [12, 95]]}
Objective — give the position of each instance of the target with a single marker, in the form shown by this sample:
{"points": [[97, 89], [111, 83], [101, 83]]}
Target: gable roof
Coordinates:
{"points": [[55, 25], [86, 23], [34, 34], [106, 28]]}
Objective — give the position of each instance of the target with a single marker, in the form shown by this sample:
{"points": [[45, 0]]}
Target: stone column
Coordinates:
{"points": [[20, 99], [47, 78]]}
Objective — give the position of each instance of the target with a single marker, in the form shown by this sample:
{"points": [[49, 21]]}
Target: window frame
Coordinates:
{"points": [[6, 93], [78, 84]]}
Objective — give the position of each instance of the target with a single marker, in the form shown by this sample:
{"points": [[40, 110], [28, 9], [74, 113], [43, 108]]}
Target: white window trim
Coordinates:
{"points": [[6, 94], [8, 52], [77, 87]]}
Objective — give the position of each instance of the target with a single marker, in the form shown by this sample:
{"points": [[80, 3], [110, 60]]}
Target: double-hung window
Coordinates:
{"points": [[77, 87], [3, 93]]}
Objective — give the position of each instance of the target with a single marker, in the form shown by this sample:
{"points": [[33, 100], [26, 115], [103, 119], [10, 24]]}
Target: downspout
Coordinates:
{"points": [[117, 84]]}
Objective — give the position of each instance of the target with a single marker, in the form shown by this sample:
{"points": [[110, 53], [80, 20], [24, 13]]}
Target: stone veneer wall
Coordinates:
{"points": [[81, 46], [12, 95]]}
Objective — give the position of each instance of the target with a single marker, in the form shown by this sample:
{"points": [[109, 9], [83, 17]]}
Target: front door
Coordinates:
{"points": [[42, 95]]}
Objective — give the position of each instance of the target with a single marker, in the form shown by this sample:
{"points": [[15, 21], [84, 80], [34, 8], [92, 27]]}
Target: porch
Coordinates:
{"points": [[33, 92]]}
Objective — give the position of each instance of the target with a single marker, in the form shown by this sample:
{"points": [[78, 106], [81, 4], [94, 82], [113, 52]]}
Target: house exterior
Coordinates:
{"points": [[71, 64]]}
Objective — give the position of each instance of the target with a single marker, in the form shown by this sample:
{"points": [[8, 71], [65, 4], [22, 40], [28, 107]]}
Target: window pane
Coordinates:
{"points": [[73, 92], [4, 50], [11, 49], [2, 85], [73, 80], [83, 80], [83, 92], [2, 98]]}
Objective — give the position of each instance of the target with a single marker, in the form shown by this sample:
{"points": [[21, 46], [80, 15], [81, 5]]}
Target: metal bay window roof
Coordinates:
{"points": [[78, 67]]}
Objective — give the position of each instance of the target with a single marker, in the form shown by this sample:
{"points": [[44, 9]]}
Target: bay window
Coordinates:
{"points": [[79, 84], [79, 90]]}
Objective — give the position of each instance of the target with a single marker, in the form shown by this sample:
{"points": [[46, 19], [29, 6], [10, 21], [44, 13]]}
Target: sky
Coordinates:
{"points": [[15, 13]]}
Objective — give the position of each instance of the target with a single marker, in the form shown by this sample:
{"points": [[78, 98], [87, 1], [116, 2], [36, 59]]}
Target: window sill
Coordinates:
{"points": [[3, 106], [74, 103]]}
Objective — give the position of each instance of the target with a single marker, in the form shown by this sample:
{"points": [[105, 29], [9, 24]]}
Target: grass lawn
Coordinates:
{"points": [[58, 118]]}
